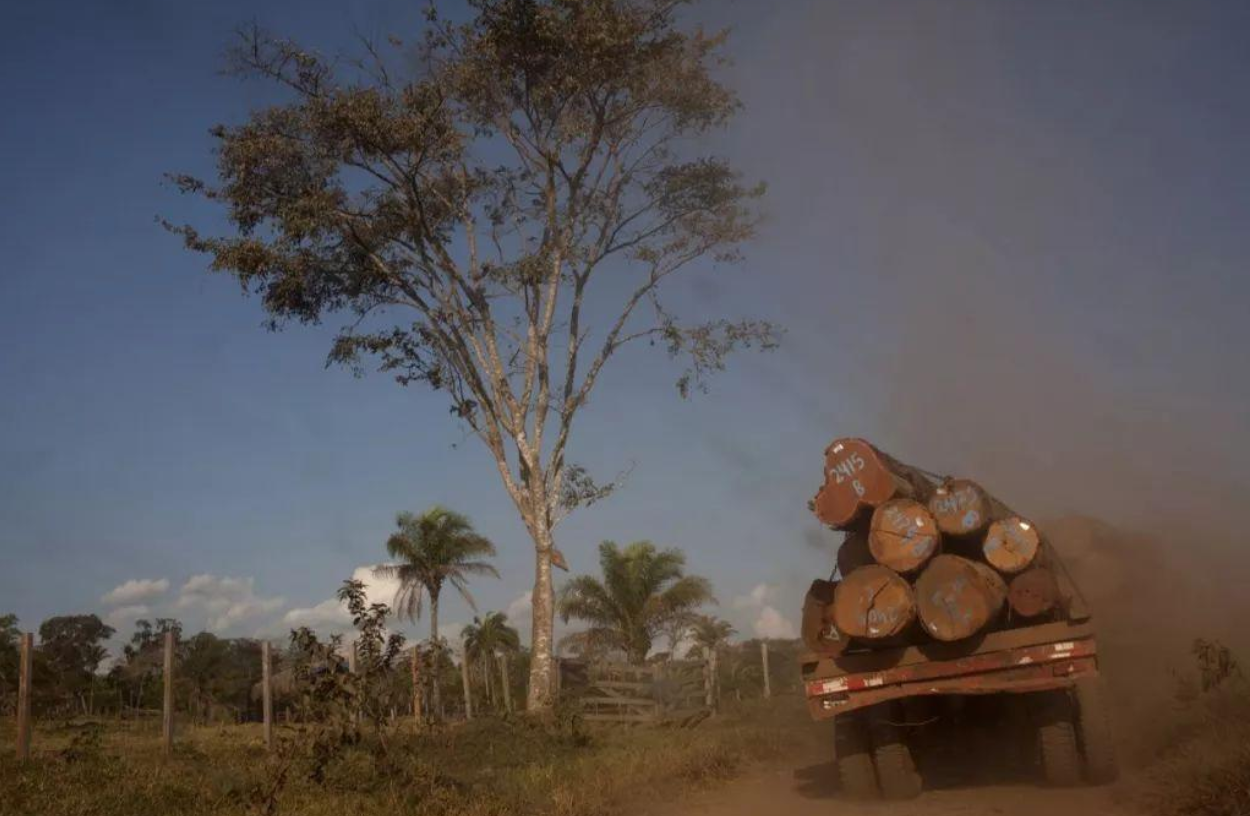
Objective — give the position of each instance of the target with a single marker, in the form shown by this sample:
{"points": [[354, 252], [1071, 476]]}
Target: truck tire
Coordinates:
{"points": [[1094, 732], [853, 754], [896, 770], [1056, 739]]}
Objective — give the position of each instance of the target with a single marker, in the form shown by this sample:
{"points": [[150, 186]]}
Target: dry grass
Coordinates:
{"points": [[485, 768], [1206, 769]]}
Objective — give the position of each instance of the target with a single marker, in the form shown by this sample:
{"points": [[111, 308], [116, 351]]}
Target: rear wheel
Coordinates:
{"points": [[896, 771], [1056, 738], [854, 757], [1094, 732]]}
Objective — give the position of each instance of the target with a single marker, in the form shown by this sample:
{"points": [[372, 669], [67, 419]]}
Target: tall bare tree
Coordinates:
{"points": [[497, 223]]}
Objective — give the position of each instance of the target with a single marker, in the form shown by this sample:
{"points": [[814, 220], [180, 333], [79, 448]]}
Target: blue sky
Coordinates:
{"points": [[1007, 239]]}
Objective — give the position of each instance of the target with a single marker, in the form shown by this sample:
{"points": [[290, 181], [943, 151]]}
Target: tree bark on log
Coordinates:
{"points": [[820, 633], [1033, 592], [956, 598], [903, 535], [859, 477], [853, 553], [961, 507], [873, 603], [1011, 545]]}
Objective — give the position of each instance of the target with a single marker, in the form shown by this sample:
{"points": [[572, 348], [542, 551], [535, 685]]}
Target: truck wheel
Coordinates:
{"points": [[854, 758], [1094, 732], [896, 771], [1056, 738]]}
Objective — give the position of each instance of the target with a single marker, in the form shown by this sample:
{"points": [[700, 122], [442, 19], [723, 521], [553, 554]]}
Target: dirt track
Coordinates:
{"points": [[809, 791]]}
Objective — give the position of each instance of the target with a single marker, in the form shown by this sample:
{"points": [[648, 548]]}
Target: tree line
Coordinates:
{"points": [[642, 607]]}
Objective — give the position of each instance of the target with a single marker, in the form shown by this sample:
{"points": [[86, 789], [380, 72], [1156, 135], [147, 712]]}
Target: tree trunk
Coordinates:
{"points": [[957, 598], [468, 688], [542, 680], [436, 649], [1011, 545], [853, 553], [873, 602], [505, 683], [961, 507], [858, 477], [820, 633], [1033, 592], [903, 535]]}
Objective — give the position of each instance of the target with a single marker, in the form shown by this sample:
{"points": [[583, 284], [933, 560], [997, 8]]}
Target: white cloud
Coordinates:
{"points": [[759, 595], [331, 615], [520, 607], [327, 615], [135, 591], [772, 624], [123, 616], [227, 601], [768, 623]]}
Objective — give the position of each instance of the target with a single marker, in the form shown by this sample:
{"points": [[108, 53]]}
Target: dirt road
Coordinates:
{"points": [[808, 791]]}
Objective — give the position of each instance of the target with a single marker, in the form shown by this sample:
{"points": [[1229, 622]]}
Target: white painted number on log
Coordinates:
{"points": [[847, 468]]}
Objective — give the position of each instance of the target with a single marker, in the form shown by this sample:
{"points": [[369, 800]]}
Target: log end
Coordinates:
{"points": [[961, 507], [1033, 592], [903, 535], [956, 598], [1012, 544], [873, 603], [855, 478]]}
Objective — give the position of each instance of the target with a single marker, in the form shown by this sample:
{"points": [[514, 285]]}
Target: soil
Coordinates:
{"points": [[811, 790]]}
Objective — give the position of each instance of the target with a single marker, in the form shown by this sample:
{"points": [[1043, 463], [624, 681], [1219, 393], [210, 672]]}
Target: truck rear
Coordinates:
{"points": [[943, 651]]}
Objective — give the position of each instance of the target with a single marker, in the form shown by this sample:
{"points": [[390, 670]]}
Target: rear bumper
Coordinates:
{"points": [[1020, 669]]}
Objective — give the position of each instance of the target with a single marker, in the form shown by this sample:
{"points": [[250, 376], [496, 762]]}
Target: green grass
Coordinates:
{"points": [[484, 768]]}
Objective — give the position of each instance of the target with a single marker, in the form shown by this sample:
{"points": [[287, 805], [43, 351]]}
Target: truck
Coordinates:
{"points": [[1030, 696], [1023, 696]]}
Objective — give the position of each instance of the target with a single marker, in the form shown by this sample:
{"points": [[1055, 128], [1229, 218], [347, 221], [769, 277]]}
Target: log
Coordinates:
{"points": [[1033, 592], [873, 603], [858, 478], [956, 598], [820, 634], [961, 507], [903, 535], [854, 553], [1011, 545]]}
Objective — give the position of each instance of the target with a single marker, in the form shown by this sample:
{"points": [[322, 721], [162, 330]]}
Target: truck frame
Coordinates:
{"points": [[1047, 676]]}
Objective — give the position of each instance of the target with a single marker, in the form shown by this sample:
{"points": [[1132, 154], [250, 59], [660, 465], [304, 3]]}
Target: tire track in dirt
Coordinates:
{"points": [[810, 790]]}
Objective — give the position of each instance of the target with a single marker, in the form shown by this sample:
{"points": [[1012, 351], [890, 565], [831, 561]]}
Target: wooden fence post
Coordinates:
{"points": [[715, 668], [266, 692], [167, 730], [468, 696], [351, 658], [768, 688], [416, 683], [507, 687], [23, 696]]}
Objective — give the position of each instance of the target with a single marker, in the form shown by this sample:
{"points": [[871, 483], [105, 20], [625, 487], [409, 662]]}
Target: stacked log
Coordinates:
{"points": [[873, 603], [860, 478], [923, 557], [958, 598], [903, 535]]}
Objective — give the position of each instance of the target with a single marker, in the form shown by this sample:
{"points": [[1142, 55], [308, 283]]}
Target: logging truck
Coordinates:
{"points": [[950, 637]]}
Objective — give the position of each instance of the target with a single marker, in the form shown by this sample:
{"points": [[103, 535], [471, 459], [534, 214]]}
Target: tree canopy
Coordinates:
{"points": [[643, 589], [497, 223]]}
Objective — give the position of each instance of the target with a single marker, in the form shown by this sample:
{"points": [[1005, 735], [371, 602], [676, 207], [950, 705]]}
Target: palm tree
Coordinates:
{"points": [[643, 590], [486, 638], [434, 548], [709, 633]]}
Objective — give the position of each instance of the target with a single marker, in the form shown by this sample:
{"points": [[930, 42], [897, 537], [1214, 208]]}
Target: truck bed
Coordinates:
{"points": [[1031, 658]]}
